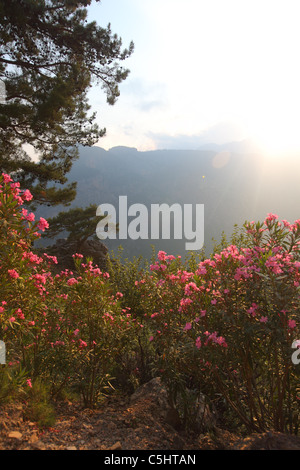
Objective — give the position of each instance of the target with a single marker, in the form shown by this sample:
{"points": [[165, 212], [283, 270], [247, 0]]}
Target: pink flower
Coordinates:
{"points": [[43, 224], [24, 212], [40, 278], [201, 270], [252, 309], [153, 315], [82, 344], [31, 257], [28, 381], [191, 286], [52, 259], [20, 314], [215, 339], [221, 341], [161, 255], [6, 178], [271, 217], [151, 338], [184, 302], [286, 224], [13, 273], [154, 267], [263, 319], [12, 319], [188, 326], [198, 343], [292, 324], [27, 196], [72, 281], [30, 217]]}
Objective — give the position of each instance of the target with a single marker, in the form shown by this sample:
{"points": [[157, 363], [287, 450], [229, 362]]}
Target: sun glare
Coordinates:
{"points": [[278, 133]]}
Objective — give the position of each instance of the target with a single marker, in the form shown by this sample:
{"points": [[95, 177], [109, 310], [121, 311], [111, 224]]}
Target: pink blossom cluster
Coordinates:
{"points": [[17, 194], [43, 311], [229, 284]]}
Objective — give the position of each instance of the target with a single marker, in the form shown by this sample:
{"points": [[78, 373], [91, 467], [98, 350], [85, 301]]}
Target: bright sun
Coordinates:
{"points": [[241, 62]]}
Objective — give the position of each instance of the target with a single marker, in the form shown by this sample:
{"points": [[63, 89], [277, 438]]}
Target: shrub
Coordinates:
{"points": [[228, 326], [68, 329], [39, 407], [223, 326]]}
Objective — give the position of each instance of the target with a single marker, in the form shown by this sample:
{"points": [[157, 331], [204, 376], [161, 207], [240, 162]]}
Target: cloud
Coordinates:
{"points": [[218, 134], [145, 95]]}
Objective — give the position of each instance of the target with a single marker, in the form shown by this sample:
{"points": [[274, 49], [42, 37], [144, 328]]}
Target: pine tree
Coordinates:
{"points": [[49, 57], [77, 225]]}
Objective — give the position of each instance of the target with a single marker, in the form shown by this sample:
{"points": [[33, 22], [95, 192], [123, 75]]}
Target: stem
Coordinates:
{"points": [[278, 410], [250, 425]]}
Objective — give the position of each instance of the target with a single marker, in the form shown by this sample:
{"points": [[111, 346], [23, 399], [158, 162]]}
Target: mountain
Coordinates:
{"points": [[233, 184]]}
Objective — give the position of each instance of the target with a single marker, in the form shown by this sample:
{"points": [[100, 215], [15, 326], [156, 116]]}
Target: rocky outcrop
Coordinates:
{"points": [[203, 417], [63, 249]]}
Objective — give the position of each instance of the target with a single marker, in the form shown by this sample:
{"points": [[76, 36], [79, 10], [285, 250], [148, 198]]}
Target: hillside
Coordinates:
{"points": [[233, 187]]}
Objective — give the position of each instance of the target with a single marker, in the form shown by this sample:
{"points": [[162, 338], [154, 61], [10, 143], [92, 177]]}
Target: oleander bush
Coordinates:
{"points": [[222, 326], [68, 329]]}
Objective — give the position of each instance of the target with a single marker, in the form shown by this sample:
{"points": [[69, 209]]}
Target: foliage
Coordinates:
{"points": [[79, 223], [13, 381], [49, 57], [227, 328], [222, 326], [39, 407], [69, 329], [125, 276]]}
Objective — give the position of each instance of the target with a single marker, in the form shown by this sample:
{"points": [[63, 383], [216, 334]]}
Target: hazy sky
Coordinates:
{"points": [[204, 71]]}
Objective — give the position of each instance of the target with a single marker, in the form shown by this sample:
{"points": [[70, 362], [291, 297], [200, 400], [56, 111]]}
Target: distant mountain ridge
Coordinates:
{"points": [[233, 184]]}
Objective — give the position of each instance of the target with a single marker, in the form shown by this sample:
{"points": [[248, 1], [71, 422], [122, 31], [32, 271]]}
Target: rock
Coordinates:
{"points": [[38, 445], [202, 416], [172, 418], [71, 448], [15, 435], [33, 438], [116, 446], [154, 390]]}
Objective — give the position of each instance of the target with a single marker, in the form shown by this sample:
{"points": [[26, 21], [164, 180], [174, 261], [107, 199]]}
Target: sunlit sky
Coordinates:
{"points": [[204, 71]]}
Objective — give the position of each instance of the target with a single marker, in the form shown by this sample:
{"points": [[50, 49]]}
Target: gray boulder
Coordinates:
{"points": [[201, 416]]}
